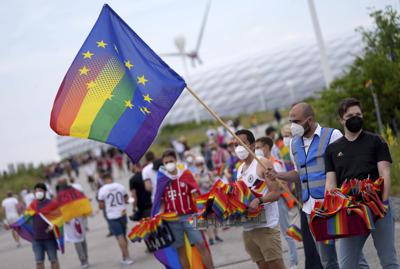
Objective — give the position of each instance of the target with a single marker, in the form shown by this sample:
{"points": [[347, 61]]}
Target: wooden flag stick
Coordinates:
{"points": [[212, 112]]}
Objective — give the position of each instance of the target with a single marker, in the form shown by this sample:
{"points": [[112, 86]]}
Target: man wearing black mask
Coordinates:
{"points": [[360, 154]]}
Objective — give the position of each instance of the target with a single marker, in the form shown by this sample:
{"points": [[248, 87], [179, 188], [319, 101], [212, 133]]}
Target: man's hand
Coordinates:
{"points": [[254, 204], [49, 229], [270, 174]]}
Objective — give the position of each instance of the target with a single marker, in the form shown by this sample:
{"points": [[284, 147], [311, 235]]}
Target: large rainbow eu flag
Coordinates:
{"points": [[117, 90]]}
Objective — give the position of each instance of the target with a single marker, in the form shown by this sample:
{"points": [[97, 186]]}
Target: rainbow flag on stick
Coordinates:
{"points": [[50, 214], [117, 90]]}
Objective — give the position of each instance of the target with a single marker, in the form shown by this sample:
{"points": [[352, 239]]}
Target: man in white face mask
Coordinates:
{"points": [[262, 241], [307, 151], [176, 189]]}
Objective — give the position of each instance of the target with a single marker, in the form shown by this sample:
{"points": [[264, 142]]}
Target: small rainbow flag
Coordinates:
{"points": [[294, 232], [117, 90]]}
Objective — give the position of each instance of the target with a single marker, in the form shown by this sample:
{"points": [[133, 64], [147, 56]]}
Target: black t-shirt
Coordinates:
{"points": [[356, 159], [143, 196]]}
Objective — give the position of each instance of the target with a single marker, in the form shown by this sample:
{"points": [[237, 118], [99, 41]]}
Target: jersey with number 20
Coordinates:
{"points": [[113, 196]]}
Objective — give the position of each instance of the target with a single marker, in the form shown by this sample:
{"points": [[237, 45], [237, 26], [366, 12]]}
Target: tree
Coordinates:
{"points": [[380, 63]]}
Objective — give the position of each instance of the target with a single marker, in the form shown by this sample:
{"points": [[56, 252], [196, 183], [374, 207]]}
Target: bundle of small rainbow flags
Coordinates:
{"points": [[150, 226], [227, 201], [348, 211]]}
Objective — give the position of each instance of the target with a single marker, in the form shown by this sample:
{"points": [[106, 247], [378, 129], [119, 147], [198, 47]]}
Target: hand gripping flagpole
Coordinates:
{"points": [[212, 112]]}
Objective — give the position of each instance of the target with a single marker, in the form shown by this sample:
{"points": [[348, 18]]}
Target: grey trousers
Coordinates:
{"points": [[82, 251], [350, 248]]}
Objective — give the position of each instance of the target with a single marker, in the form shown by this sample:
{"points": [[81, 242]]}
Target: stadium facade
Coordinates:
{"points": [[263, 81]]}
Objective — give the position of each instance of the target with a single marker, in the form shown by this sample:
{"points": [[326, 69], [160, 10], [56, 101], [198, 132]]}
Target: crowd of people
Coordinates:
{"points": [[296, 165]]}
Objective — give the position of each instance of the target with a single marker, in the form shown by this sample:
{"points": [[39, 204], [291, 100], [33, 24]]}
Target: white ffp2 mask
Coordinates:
{"points": [[170, 167], [259, 153], [241, 152], [39, 195], [297, 129]]}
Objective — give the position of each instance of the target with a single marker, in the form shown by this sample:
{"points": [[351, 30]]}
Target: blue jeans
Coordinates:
{"points": [[284, 225], [40, 247], [182, 226], [383, 235]]}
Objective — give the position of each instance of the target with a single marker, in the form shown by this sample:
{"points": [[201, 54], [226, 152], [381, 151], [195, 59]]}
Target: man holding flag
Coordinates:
{"points": [[42, 224], [175, 189]]}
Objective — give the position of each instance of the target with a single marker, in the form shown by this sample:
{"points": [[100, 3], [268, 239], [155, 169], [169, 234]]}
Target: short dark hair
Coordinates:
{"points": [[168, 153], [249, 135], [40, 185], [265, 140], [346, 104], [150, 156], [107, 175], [270, 130]]}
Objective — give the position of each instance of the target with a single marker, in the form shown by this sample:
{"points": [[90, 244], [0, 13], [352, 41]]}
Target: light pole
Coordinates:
{"points": [[289, 84], [320, 41], [370, 86], [180, 45]]}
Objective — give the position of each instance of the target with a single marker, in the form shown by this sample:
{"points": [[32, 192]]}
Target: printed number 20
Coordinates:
{"points": [[116, 198]]}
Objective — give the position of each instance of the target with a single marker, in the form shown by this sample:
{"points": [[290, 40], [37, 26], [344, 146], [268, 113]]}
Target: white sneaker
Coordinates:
{"points": [[127, 261]]}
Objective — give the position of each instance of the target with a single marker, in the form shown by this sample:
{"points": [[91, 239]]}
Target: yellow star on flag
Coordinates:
{"points": [[90, 85], [128, 104], [144, 110], [109, 96], [128, 64], [142, 80], [101, 44], [147, 98], [84, 70], [87, 55]]}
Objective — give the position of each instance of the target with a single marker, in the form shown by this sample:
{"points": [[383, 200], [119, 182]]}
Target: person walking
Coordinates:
{"points": [[262, 241], [10, 211], [113, 197], [360, 155]]}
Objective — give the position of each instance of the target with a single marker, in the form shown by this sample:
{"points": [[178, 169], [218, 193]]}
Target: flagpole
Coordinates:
{"points": [[212, 112]]}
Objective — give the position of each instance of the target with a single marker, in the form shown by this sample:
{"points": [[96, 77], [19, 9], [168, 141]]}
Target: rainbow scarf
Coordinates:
{"points": [[50, 213], [294, 232]]}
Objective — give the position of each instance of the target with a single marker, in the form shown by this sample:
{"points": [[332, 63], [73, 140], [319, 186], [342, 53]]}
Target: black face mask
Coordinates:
{"points": [[354, 124]]}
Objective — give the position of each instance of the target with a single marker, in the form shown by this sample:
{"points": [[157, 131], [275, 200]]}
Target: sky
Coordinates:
{"points": [[39, 39]]}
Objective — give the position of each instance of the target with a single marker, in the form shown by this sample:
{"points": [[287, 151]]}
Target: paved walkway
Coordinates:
{"points": [[104, 252]]}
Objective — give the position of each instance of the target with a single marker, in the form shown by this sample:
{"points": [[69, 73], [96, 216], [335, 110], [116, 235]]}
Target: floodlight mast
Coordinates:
{"points": [[321, 45]]}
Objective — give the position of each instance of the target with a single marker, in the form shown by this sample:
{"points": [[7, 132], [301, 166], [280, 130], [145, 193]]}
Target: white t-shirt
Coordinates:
{"points": [[250, 177], [336, 134], [10, 206], [74, 230], [113, 195], [149, 173], [28, 198]]}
